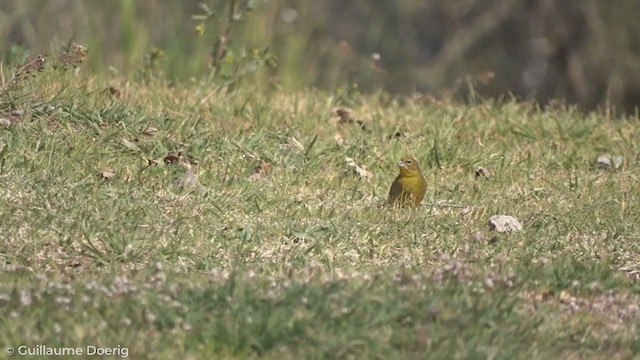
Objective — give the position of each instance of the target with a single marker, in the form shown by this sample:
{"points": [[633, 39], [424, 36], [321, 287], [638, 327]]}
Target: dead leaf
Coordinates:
{"points": [[171, 158], [113, 91], [152, 162], [106, 175], [260, 170], [150, 131], [345, 116], [180, 158], [18, 113], [130, 145], [483, 172], [293, 141], [361, 171], [398, 134]]}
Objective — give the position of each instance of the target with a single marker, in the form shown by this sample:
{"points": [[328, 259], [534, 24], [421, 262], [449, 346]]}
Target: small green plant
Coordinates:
{"points": [[347, 95], [231, 64], [14, 88], [151, 64]]}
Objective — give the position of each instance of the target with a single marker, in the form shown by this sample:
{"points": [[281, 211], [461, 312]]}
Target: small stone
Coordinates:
{"points": [[504, 223], [606, 161]]}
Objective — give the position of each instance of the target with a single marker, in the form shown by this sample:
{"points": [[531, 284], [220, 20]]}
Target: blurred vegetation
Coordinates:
{"points": [[584, 52]]}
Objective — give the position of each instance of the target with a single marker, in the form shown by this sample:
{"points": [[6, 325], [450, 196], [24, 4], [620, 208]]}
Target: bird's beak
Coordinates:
{"points": [[401, 164]]}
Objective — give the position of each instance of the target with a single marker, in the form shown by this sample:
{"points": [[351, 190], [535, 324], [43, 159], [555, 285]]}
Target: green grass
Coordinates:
{"points": [[301, 261]]}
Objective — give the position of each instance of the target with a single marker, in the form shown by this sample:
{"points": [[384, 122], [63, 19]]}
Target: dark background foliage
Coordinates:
{"points": [[584, 52]]}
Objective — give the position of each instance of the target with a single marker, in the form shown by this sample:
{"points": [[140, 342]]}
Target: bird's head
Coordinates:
{"points": [[409, 166]]}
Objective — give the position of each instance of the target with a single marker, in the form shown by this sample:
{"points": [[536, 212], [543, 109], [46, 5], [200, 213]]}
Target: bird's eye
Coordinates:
{"points": [[409, 161]]}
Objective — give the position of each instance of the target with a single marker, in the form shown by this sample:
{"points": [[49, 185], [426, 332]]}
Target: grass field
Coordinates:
{"points": [[273, 246]]}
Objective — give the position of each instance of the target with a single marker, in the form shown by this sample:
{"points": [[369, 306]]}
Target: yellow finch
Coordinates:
{"points": [[409, 187]]}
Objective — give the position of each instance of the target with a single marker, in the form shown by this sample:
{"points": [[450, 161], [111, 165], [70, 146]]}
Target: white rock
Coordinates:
{"points": [[504, 223], [606, 161]]}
